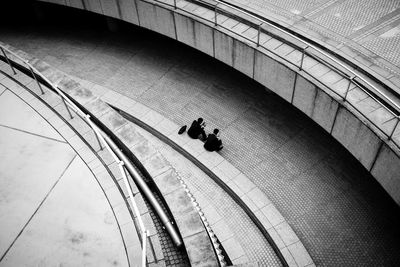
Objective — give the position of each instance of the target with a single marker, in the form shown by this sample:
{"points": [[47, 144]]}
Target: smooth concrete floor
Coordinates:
{"points": [[337, 209], [52, 211]]}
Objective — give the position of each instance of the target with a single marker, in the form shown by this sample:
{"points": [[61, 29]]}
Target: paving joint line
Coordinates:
{"points": [[37, 209], [38, 135]]}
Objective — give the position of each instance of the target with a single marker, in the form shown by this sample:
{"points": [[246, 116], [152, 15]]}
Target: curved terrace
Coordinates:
{"points": [[325, 198]]}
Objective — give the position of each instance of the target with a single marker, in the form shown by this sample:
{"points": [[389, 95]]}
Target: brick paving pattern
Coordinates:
{"points": [[256, 248], [343, 21], [332, 203]]}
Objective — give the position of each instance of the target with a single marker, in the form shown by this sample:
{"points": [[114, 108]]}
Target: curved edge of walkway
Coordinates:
{"points": [[329, 96], [95, 99], [80, 139], [197, 237], [255, 202]]}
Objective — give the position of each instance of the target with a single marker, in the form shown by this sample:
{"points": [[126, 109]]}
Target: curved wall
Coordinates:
{"points": [[320, 98]]}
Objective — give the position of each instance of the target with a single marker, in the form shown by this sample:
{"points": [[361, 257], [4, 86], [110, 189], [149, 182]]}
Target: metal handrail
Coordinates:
{"points": [[351, 76], [307, 44], [123, 163]]}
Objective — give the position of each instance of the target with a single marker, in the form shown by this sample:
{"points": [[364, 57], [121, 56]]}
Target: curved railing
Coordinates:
{"points": [[307, 49], [123, 162]]}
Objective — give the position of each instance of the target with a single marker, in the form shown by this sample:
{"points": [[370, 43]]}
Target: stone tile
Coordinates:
{"points": [[98, 107], [157, 247], [230, 170], [129, 234], [143, 150], [128, 135], [123, 187], [187, 219], [156, 165], [167, 181], [86, 154], [76, 142], [243, 183], [180, 140], [133, 255], [286, 233], [112, 120], [276, 238], [141, 204], [272, 214], [166, 127], [152, 118], [122, 213], [221, 175], [288, 257], [96, 165], [258, 197], [300, 254], [260, 216], [232, 185], [249, 203], [125, 103], [222, 231], [200, 250], [114, 196], [148, 223], [244, 260], [210, 159], [105, 179], [211, 214], [233, 249], [138, 110], [194, 147]]}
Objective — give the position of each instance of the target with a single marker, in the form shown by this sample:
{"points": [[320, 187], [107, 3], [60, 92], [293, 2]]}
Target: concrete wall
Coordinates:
{"points": [[360, 140], [346, 125], [387, 171], [194, 34], [274, 75], [156, 19], [315, 103]]}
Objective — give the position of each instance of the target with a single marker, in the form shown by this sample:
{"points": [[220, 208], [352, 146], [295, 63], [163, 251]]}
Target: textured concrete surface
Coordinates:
{"points": [[325, 195], [367, 32], [52, 210]]}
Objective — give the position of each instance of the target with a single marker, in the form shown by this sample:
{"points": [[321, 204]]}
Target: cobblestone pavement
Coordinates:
{"points": [[337, 209], [371, 27]]}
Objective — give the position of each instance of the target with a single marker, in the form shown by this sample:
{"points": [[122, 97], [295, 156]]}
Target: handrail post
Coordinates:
{"points": [[215, 15], [302, 58], [34, 76], [66, 106], [258, 34], [144, 246], [175, 4], [8, 61], [394, 129], [348, 88], [95, 134]]}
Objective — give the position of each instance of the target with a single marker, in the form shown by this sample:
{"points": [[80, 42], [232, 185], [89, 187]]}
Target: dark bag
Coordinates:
{"points": [[182, 129]]}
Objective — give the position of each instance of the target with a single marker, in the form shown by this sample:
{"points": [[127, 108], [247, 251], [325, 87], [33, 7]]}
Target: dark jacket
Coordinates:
{"points": [[195, 130], [212, 143]]}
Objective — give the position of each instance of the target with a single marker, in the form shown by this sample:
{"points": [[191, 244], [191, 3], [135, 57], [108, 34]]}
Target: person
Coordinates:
{"points": [[213, 143], [197, 129]]}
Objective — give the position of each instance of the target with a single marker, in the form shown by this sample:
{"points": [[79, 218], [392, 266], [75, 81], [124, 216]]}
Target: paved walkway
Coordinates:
{"points": [[333, 204], [52, 210], [367, 31]]}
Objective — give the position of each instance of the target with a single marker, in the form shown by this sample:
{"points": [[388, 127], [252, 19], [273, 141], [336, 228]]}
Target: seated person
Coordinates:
{"points": [[213, 143], [197, 129]]}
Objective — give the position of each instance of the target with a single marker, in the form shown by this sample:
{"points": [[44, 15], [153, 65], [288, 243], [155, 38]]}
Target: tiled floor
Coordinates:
{"points": [[52, 210], [372, 27], [336, 208]]}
